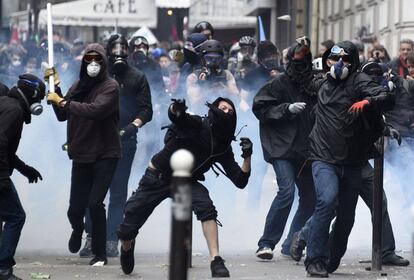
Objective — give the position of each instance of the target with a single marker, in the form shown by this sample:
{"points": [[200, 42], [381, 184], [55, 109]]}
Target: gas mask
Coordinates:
{"points": [[118, 57], [212, 60], [339, 71], [35, 108], [93, 69]]}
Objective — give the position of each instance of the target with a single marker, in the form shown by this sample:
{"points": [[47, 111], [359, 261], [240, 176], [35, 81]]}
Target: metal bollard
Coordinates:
{"points": [[181, 163], [377, 208]]}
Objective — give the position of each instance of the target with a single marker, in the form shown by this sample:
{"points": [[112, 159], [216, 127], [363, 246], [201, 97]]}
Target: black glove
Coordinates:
{"points": [[128, 131], [178, 107], [30, 173], [393, 134], [246, 146], [5, 186]]}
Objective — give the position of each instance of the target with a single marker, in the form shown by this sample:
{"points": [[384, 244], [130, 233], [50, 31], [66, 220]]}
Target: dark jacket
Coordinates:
{"points": [[194, 134], [401, 117], [283, 135], [11, 120], [92, 119], [134, 98], [337, 136], [398, 68]]}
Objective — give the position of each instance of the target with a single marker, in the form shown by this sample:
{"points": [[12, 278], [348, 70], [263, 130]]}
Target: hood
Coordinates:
{"points": [[104, 70], [223, 126], [349, 48]]}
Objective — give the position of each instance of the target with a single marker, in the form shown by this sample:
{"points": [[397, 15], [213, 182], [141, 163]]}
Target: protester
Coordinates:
{"points": [[208, 139], [339, 145], [91, 109], [16, 108], [283, 108], [135, 111], [389, 257]]}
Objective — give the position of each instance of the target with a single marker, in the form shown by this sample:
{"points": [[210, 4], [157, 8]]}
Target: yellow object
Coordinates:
{"points": [[52, 72], [54, 98]]}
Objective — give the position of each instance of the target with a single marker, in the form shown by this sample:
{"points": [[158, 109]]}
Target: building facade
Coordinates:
{"points": [[387, 20]]}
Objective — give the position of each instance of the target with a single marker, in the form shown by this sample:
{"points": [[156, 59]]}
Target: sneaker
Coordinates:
{"points": [[127, 259], [7, 274], [395, 260], [99, 261], [86, 251], [112, 249], [218, 269], [264, 253], [317, 269], [75, 242], [297, 246]]}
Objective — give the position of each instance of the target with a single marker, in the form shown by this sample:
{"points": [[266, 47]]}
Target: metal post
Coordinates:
{"points": [[181, 163], [377, 208]]}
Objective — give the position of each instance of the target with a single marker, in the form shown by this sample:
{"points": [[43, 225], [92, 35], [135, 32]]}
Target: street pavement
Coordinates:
{"points": [[241, 266]]}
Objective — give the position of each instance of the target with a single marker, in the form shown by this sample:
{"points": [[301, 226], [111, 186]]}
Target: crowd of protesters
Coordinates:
{"points": [[318, 118]]}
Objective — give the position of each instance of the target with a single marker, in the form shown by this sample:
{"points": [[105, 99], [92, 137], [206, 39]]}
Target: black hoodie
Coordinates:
{"points": [[92, 114], [338, 137], [196, 134]]}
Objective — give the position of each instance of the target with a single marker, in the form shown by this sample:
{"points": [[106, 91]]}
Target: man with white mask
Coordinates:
{"points": [[91, 109]]}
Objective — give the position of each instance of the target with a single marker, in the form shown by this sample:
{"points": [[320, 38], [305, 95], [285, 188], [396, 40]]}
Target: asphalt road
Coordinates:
{"points": [[241, 266]]}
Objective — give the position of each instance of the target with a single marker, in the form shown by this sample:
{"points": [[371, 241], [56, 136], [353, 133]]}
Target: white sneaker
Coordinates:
{"points": [[264, 253]]}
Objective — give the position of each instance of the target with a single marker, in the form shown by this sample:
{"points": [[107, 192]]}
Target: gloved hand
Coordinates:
{"points": [[358, 107], [388, 85], [54, 98], [5, 186], [246, 146], [30, 173], [297, 107], [178, 107], [52, 72], [393, 134], [128, 131]]}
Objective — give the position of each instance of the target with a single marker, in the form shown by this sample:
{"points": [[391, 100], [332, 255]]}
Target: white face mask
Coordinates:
{"points": [[93, 69]]}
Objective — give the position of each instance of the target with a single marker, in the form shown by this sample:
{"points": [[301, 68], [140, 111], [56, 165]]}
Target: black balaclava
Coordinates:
{"points": [[299, 66], [30, 90], [223, 125]]}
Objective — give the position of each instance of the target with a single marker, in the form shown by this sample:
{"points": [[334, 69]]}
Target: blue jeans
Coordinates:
{"points": [[286, 176], [118, 191], [335, 185], [388, 241], [13, 216]]}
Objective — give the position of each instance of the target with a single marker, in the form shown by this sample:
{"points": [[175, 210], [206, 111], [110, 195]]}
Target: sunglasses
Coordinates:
{"points": [[88, 58]]}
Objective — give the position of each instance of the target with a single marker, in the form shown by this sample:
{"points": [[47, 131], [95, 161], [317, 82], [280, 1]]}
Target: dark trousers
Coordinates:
{"points": [[118, 191], [338, 246], [13, 216], [89, 185], [152, 190]]}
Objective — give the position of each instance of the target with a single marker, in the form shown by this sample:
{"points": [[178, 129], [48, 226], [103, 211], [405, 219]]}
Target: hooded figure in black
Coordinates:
{"points": [[139, 59], [339, 144], [135, 111], [91, 109], [16, 108], [208, 139], [283, 107]]}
